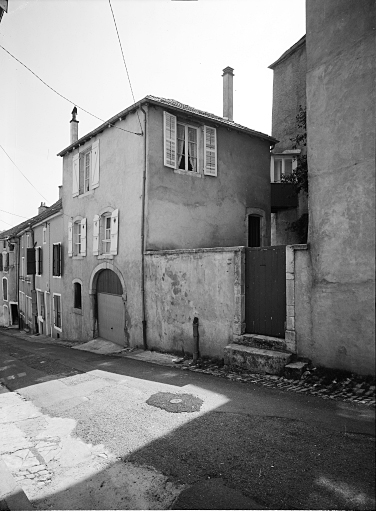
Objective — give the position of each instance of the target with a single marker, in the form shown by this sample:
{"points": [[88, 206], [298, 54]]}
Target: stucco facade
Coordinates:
{"points": [[341, 60], [157, 205]]}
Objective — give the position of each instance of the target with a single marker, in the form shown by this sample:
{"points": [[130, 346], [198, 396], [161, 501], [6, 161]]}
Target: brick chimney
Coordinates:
{"points": [[42, 208], [74, 126], [228, 110]]}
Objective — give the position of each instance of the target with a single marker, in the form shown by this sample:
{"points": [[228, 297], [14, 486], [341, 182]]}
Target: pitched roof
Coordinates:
{"points": [[289, 52], [51, 210], [176, 105]]}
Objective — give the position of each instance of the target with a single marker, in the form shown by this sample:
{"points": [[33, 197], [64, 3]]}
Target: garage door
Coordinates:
{"points": [[110, 307]]}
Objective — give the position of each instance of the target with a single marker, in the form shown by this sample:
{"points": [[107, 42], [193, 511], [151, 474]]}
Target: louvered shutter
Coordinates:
{"points": [[83, 237], [54, 260], [6, 264], [210, 151], [95, 165], [30, 261], [60, 260], [40, 260], [70, 239], [169, 129], [75, 174], [96, 235], [114, 231], [1, 261]]}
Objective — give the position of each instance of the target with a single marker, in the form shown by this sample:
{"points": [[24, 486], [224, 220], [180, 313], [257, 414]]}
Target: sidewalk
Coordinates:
{"points": [[326, 384]]}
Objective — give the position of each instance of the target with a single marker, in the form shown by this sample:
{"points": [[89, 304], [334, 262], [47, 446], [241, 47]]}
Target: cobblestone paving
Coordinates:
{"points": [[315, 381]]}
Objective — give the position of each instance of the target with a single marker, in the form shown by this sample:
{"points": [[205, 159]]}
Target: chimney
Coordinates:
{"points": [[228, 110], [74, 126], [60, 191], [42, 208]]}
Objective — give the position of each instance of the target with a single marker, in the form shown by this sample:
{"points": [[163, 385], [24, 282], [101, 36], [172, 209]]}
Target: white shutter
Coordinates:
{"points": [[210, 151], [70, 239], [76, 174], [95, 165], [114, 231], [96, 235], [169, 140], [83, 237]]}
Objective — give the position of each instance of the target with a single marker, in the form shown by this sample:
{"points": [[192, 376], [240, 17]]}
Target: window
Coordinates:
{"points": [[23, 266], [1, 262], [105, 233], [5, 288], [77, 295], [57, 311], [77, 237], [254, 231], [187, 148], [41, 305], [38, 261], [56, 260], [85, 175], [182, 143], [281, 165]]}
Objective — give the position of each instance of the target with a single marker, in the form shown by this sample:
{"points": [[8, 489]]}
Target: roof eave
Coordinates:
{"points": [[288, 52]]}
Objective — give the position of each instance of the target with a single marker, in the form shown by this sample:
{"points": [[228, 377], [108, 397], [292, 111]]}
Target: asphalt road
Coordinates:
{"points": [[103, 433]]}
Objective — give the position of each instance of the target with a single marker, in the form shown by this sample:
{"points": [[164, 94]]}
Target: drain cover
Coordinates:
{"points": [[172, 402]]}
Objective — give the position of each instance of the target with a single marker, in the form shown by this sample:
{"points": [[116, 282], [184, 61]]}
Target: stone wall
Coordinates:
{"points": [[202, 283]]}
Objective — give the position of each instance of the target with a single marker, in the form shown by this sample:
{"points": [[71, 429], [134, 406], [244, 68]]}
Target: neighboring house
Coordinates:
{"points": [[158, 175], [3, 8], [30, 271], [289, 94], [333, 292]]}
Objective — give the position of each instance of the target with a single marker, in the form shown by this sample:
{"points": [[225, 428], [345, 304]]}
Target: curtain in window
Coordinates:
{"points": [[181, 144], [192, 149]]}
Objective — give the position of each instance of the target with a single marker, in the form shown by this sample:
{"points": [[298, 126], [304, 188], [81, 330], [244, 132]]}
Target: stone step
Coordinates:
{"points": [[256, 360], [261, 341]]}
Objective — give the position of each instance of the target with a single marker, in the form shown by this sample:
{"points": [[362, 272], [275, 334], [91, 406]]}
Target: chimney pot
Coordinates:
{"points": [[74, 126], [228, 109], [42, 208]]}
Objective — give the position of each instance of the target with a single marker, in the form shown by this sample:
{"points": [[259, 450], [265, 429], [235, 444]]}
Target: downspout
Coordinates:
{"points": [[33, 292], [144, 335]]}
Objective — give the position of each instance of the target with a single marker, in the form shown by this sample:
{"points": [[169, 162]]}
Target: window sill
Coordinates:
{"points": [[78, 257], [89, 193], [188, 173], [77, 311], [56, 277], [105, 257]]}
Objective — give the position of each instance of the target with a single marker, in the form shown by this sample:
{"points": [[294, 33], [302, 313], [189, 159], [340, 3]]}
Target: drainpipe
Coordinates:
{"points": [[144, 334], [33, 291], [195, 340]]}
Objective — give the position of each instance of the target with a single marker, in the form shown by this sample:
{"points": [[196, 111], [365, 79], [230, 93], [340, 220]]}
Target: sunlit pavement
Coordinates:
{"points": [[87, 431]]}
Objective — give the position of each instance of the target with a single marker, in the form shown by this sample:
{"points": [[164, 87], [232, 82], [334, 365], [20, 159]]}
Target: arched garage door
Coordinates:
{"points": [[110, 307]]}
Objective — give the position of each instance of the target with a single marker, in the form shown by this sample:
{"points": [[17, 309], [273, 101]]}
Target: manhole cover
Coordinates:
{"points": [[172, 402]]}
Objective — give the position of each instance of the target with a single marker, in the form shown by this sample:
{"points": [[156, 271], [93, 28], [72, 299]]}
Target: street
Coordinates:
{"points": [[80, 430]]}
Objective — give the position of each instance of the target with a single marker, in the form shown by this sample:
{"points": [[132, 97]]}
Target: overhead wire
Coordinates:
{"points": [[15, 214], [125, 65], [26, 178], [65, 98]]}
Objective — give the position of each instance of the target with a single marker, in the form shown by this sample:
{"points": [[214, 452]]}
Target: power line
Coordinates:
{"points": [[5, 222], [15, 214], [71, 102], [125, 65], [23, 174]]}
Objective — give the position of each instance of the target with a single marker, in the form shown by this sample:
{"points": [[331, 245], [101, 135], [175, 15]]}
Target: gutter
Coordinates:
{"points": [[144, 333]]}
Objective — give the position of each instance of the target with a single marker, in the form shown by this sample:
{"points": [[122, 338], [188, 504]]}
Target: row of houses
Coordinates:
{"points": [[162, 205]]}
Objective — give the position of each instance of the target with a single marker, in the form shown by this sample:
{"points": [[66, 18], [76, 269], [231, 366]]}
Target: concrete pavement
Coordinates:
{"points": [[79, 431]]}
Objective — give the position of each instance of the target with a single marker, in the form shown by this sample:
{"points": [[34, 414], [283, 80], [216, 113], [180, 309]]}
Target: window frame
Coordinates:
{"points": [[57, 327], [107, 216], [283, 157], [77, 306], [77, 238], [187, 127], [5, 296]]}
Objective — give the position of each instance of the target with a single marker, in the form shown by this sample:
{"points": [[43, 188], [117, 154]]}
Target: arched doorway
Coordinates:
{"points": [[110, 307]]}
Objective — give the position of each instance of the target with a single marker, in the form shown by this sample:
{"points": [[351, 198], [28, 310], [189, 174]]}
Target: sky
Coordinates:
{"points": [[173, 49]]}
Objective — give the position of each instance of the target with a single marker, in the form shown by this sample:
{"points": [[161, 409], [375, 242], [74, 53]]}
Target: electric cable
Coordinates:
{"points": [[71, 102], [15, 214]]}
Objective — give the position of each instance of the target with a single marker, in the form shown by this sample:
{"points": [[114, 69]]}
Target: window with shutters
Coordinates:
{"points": [[77, 238], [30, 261], [85, 173], [105, 233], [5, 288], [38, 261], [57, 311], [189, 149], [56, 260]]}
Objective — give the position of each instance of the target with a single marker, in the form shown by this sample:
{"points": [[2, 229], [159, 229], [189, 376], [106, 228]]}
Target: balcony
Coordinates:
{"points": [[283, 195]]}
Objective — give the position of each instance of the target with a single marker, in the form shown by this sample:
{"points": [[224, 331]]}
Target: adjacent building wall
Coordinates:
{"points": [[121, 163], [184, 284], [341, 61], [194, 210]]}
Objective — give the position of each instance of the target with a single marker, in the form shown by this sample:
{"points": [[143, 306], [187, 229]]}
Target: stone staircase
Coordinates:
{"points": [[263, 354]]}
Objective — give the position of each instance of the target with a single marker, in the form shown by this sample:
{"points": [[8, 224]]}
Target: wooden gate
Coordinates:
{"points": [[265, 290]]}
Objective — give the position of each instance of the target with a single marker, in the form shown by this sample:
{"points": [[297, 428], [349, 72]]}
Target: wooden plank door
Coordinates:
{"points": [[265, 291]]}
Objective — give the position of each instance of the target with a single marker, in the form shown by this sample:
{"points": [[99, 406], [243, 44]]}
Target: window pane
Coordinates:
{"points": [[288, 166], [277, 169]]}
